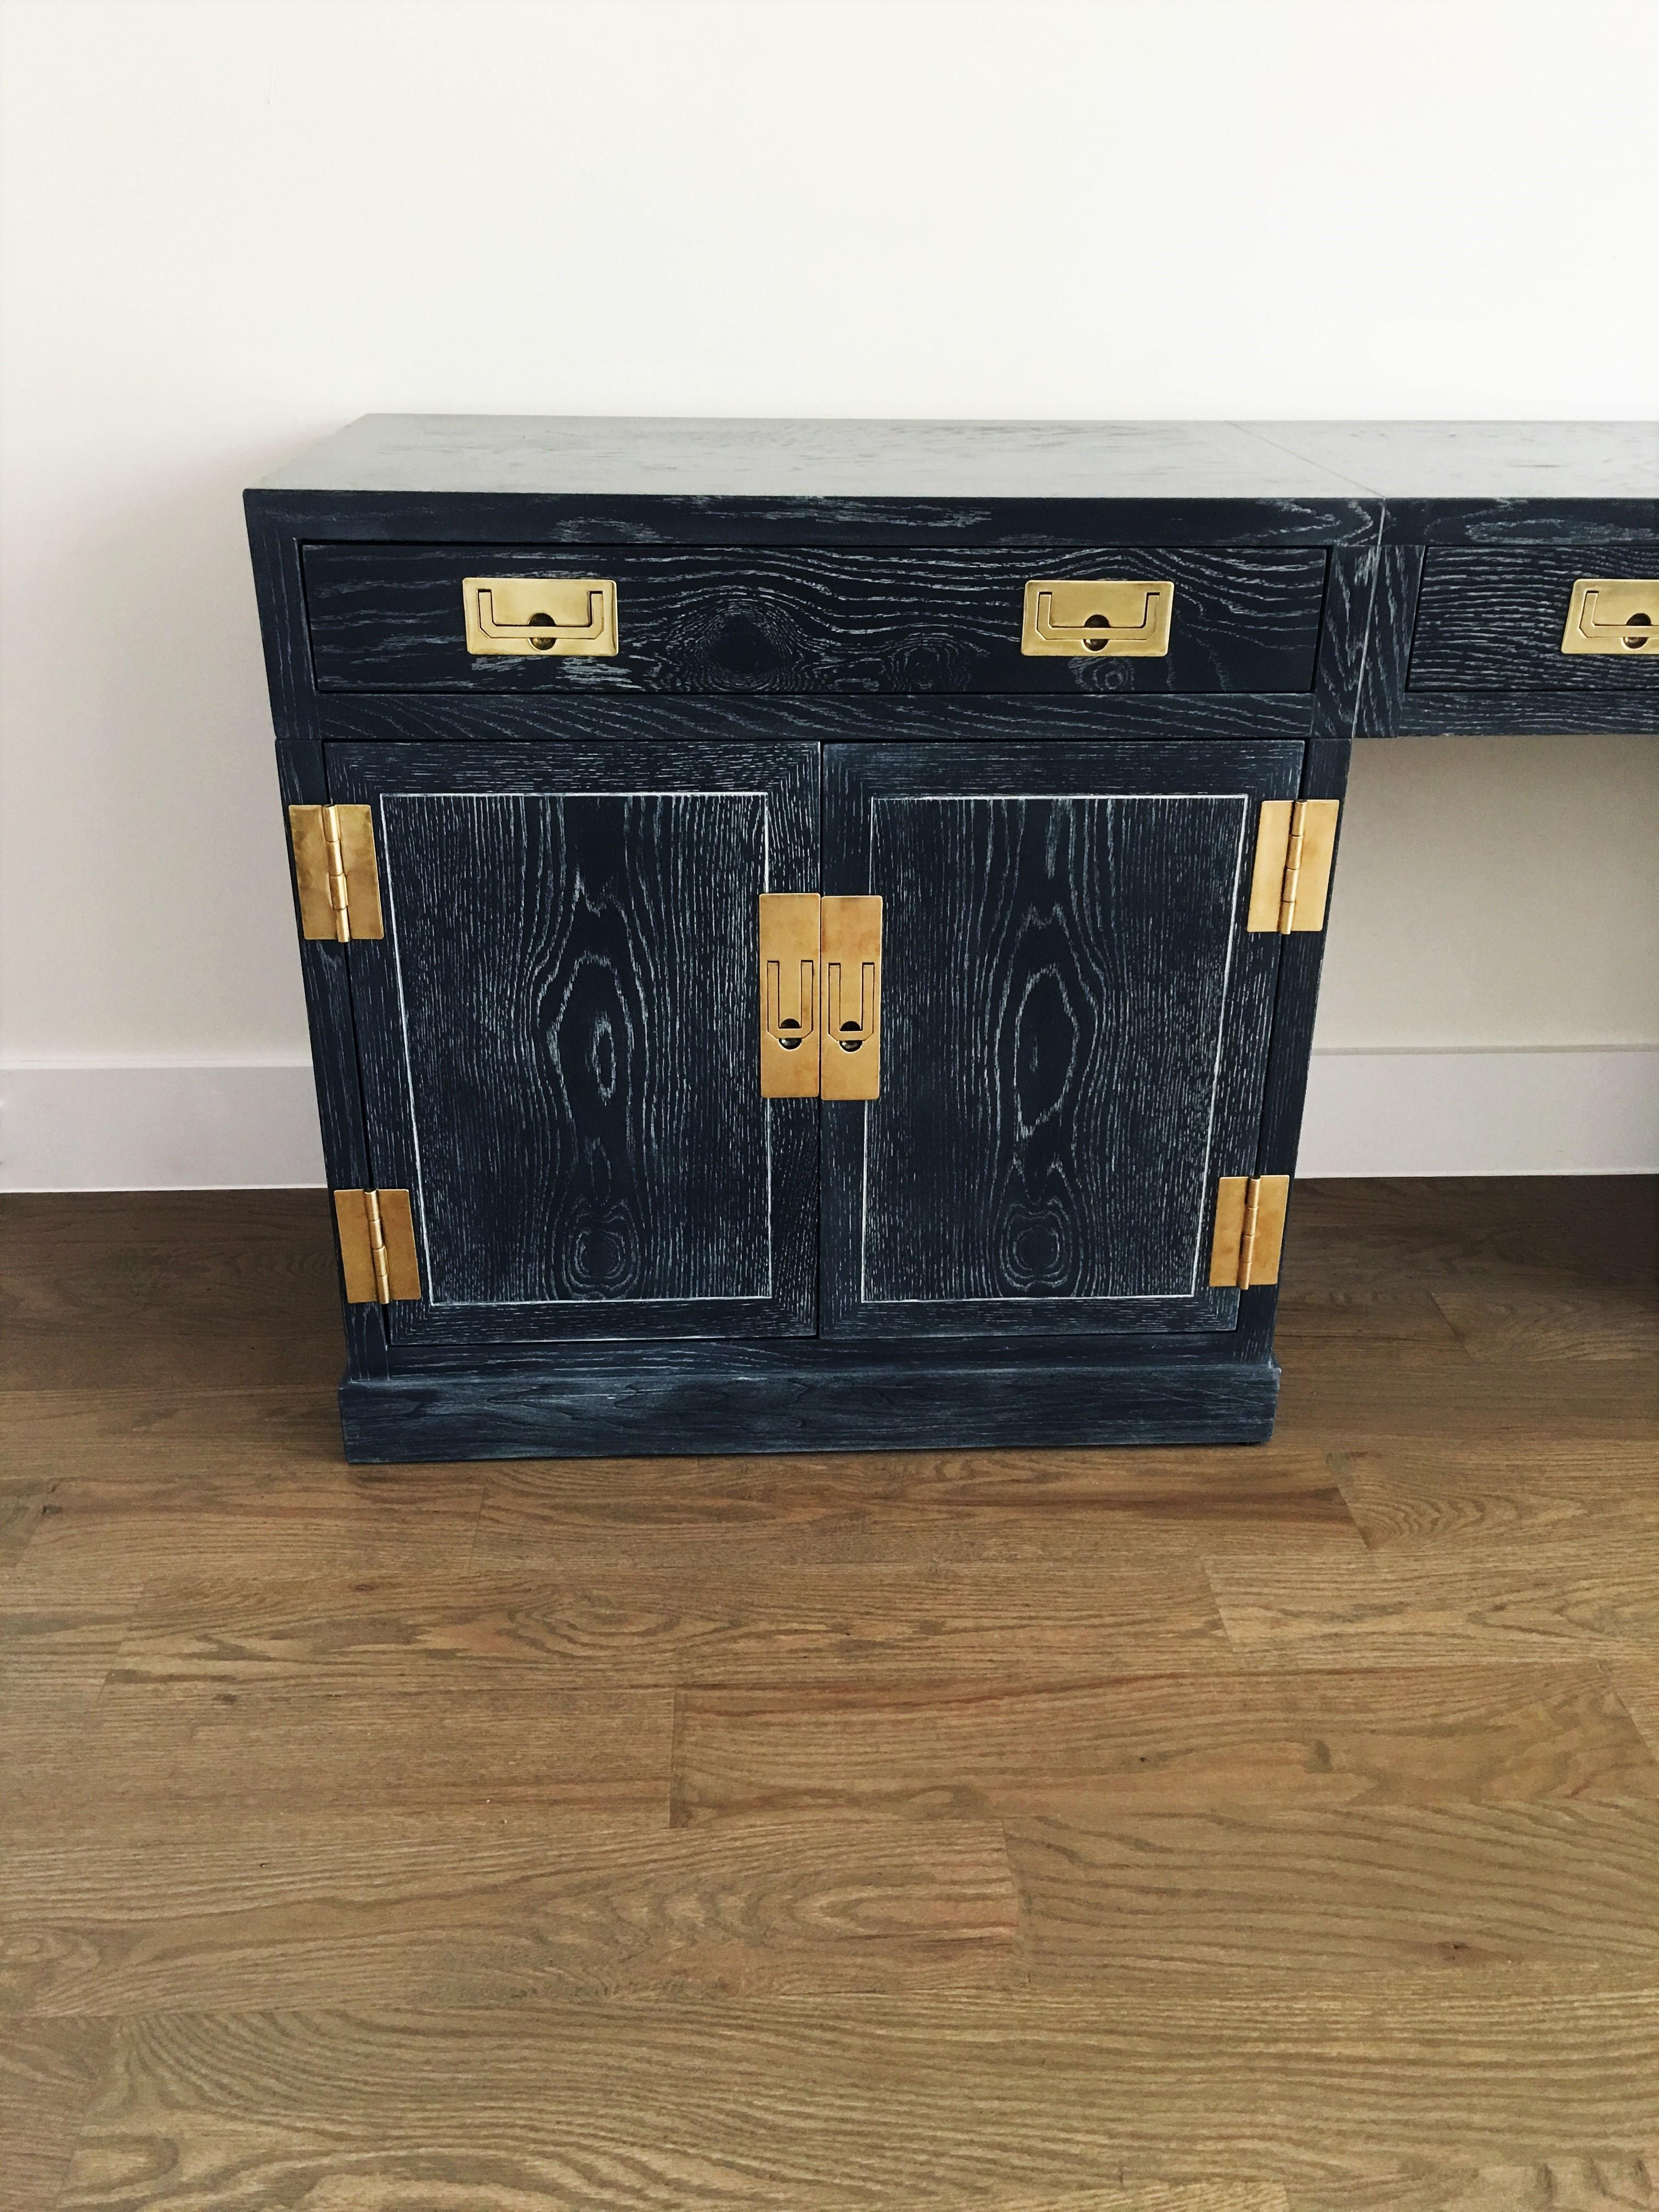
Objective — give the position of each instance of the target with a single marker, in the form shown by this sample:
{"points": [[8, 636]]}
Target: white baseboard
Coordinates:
{"points": [[224, 1128], [242, 1127], [1524, 1112]]}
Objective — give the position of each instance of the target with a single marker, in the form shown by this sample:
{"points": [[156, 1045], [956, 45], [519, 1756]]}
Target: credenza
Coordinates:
{"points": [[811, 929]]}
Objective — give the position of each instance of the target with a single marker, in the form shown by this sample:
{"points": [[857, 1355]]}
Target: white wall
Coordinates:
{"points": [[233, 224]]}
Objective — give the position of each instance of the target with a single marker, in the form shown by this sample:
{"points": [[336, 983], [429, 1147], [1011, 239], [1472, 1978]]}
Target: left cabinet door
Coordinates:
{"points": [[559, 1035]]}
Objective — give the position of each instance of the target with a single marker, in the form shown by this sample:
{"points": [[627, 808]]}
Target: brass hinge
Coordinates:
{"points": [[820, 996], [334, 870], [377, 1246], [1295, 843], [1250, 1230]]}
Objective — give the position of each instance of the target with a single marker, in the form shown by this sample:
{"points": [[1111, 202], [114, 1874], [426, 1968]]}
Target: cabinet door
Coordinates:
{"points": [[1074, 1025], [559, 1035]]}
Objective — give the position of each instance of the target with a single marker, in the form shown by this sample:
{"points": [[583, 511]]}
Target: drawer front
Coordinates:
{"points": [[811, 619], [1493, 621]]}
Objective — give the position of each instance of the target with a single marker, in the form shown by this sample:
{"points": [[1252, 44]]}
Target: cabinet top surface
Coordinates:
{"points": [[726, 458]]}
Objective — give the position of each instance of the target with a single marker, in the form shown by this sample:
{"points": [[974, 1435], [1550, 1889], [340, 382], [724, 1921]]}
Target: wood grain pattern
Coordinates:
{"points": [[49, 2070], [1074, 1033], [560, 1038], [351, 1856], [494, 1908], [1562, 1895], [1051, 1041], [1490, 619], [1592, 1490], [1091, 1512], [1391, 1609], [256, 1310], [643, 2103], [809, 619], [639, 1628], [1408, 1735], [1567, 2181]]}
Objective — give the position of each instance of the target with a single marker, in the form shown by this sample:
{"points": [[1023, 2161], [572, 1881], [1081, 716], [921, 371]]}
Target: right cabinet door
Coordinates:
{"points": [[1074, 1030]]}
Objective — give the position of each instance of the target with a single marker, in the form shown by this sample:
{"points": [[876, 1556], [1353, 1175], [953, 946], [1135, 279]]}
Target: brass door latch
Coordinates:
{"points": [[1612, 614], [1118, 617], [820, 994], [568, 615]]}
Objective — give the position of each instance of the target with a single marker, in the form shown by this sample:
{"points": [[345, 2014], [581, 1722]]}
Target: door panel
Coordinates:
{"points": [[559, 1036], [1074, 1034]]}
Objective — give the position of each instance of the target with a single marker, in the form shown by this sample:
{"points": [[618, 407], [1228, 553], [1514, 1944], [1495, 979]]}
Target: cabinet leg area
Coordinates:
{"points": [[695, 1399]]}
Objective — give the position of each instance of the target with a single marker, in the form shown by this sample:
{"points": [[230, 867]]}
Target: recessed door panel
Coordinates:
{"points": [[1075, 1032], [559, 1036]]}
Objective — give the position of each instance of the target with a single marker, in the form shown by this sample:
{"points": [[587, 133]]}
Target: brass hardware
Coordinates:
{"points": [[378, 1256], [567, 615], [789, 994], [1613, 614], [1295, 844], [334, 869], [1250, 1230], [850, 933], [1115, 617]]}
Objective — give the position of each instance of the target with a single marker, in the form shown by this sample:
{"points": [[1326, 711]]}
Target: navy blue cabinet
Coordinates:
{"points": [[1055, 719]]}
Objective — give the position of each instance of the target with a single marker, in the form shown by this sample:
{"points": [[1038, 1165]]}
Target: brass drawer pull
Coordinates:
{"points": [[568, 615], [1612, 614], [1116, 617]]}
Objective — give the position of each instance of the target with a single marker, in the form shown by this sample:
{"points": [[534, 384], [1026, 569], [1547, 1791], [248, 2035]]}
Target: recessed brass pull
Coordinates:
{"points": [[850, 934], [1115, 618], [789, 994], [568, 615], [1613, 614]]}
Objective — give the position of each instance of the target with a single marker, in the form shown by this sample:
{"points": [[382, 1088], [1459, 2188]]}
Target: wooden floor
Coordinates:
{"points": [[1272, 1830]]}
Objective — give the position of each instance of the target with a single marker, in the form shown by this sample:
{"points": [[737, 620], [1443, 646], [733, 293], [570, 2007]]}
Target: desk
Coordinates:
{"points": [[812, 930]]}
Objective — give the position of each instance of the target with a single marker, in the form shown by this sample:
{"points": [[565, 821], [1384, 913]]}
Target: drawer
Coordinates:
{"points": [[1490, 620], [815, 619]]}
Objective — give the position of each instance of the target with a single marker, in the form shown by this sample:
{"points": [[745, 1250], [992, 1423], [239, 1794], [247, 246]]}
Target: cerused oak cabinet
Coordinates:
{"points": [[812, 930]]}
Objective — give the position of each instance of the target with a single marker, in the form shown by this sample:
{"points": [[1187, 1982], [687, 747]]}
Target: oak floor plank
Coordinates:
{"points": [[1418, 1492], [474, 1909], [1573, 2181], [49, 2071], [1493, 1895], [978, 1509], [49, 1651], [196, 1289], [1542, 1602], [1636, 1678], [140, 1756], [882, 2102], [1540, 1232], [652, 1626], [1174, 1743], [21, 1502], [1597, 1323]]}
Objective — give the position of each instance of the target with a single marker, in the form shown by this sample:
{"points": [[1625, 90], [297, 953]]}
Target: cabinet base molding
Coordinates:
{"points": [[664, 1402]]}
